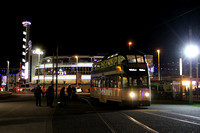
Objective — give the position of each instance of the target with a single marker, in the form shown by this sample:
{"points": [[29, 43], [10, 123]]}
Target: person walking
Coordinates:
{"points": [[62, 97], [69, 92], [37, 94], [50, 96]]}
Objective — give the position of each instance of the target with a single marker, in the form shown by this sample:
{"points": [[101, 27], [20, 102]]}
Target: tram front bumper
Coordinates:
{"points": [[138, 103]]}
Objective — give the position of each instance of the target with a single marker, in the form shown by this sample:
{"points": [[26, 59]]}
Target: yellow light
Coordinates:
{"points": [[129, 43], [76, 57], [132, 94], [119, 68], [158, 51], [147, 94]]}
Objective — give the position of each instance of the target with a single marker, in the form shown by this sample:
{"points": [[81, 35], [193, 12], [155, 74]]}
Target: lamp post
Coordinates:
{"points": [[76, 70], [158, 64], [7, 84], [129, 45], [191, 51], [38, 52]]}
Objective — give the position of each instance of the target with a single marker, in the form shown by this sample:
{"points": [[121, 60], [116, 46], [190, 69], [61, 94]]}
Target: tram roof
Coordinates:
{"points": [[124, 52]]}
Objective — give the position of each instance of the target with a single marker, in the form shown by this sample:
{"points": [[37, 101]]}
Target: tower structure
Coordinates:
{"points": [[26, 58]]}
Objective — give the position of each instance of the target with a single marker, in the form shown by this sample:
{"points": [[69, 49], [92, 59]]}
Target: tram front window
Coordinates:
{"points": [[134, 81]]}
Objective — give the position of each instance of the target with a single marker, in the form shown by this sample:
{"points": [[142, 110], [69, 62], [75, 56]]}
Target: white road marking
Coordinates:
{"points": [[139, 123], [99, 115], [185, 121]]}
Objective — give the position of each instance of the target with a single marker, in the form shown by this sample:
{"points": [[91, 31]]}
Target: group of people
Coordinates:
{"points": [[71, 94], [50, 95]]}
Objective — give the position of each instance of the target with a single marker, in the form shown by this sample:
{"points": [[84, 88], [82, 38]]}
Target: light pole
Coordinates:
{"points": [[129, 45], [76, 70], [38, 52], [7, 84], [158, 64], [191, 51]]}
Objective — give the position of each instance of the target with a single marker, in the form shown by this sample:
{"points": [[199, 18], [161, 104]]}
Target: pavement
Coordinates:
{"points": [[5, 94], [19, 114]]}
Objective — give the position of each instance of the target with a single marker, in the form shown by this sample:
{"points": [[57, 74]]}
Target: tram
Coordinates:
{"points": [[122, 77]]}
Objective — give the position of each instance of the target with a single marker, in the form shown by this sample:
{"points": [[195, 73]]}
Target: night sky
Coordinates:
{"points": [[91, 28]]}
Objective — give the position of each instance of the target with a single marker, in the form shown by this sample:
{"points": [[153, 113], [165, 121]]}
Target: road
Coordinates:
{"points": [[19, 114]]}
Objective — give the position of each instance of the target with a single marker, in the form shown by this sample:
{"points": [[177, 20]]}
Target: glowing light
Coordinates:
{"points": [[142, 70], [119, 68], [26, 23], [132, 70], [24, 46], [130, 43], [24, 39], [23, 60], [188, 83], [158, 51], [26, 70], [191, 51], [180, 64], [38, 51], [24, 32], [132, 94], [147, 94], [23, 53]]}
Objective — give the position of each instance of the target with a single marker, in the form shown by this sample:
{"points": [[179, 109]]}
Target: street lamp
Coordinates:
{"points": [[129, 45], [76, 70], [7, 84], [191, 51], [38, 52], [158, 64]]}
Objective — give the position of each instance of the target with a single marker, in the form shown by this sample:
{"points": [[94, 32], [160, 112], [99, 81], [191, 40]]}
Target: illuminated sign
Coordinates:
{"points": [[142, 70], [132, 69], [26, 70], [3, 80]]}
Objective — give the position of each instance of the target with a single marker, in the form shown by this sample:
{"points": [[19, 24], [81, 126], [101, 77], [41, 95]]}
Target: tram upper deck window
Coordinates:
{"points": [[131, 58], [140, 59]]}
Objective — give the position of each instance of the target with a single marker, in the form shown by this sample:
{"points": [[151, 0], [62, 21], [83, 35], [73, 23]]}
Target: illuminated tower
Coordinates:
{"points": [[27, 46]]}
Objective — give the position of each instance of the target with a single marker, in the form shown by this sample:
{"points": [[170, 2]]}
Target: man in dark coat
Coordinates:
{"points": [[62, 97], [38, 93], [50, 96], [69, 92]]}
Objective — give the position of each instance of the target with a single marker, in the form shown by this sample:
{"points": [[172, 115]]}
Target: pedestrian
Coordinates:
{"points": [[37, 94], [62, 97], [73, 93], [69, 92], [50, 96]]}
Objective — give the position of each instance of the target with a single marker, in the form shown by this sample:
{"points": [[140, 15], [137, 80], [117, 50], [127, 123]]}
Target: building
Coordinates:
{"points": [[26, 53], [45, 73]]}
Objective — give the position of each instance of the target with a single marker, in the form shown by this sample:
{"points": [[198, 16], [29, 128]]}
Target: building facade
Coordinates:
{"points": [[67, 68]]}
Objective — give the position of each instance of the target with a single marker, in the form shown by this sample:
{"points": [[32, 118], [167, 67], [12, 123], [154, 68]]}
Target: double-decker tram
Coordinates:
{"points": [[122, 77]]}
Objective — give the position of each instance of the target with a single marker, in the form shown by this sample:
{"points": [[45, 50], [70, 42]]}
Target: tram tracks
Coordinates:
{"points": [[111, 128], [164, 116]]}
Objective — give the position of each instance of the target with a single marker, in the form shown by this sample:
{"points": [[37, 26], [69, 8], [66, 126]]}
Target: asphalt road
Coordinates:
{"points": [[20, 115]]}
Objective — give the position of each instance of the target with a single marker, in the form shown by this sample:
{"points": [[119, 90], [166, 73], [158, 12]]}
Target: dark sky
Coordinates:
{"points": [[91, 28]]}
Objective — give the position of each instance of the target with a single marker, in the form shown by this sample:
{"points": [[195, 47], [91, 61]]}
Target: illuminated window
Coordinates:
{"points": [[140, 59], [131, 58]]}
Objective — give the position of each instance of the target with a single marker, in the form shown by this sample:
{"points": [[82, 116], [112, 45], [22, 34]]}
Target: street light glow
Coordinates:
{"points": [[191, 51]]}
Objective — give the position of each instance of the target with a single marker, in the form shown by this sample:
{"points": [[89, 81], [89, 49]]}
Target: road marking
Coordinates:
{"points": [[139, 123], [190, 116], [185, 121], [99, 115]]}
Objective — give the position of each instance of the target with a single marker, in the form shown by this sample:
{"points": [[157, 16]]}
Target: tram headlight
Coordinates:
{"points": [[147, 94], [132, 94]]}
